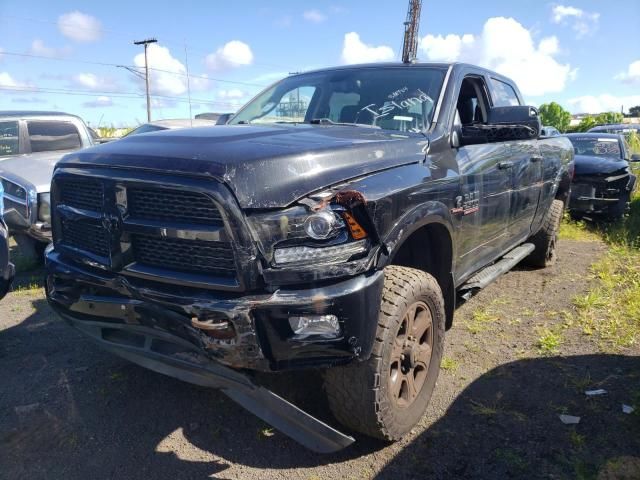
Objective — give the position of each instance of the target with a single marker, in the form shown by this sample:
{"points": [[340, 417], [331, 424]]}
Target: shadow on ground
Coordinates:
{"points": [[69, 410], [506, 424]]}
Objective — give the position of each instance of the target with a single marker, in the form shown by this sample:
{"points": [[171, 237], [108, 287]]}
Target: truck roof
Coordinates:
{"points": [[443, 65], [34, 113]]}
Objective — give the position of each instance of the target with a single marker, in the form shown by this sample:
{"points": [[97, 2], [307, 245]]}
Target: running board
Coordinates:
{"points": [[488, 274]]}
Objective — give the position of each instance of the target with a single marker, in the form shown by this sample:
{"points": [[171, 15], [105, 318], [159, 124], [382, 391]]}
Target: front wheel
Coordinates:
{"points": [[546, 239], [386, 395]]}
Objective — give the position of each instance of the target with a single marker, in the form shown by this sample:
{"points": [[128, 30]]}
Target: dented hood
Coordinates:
{"points": [[598, 165], [264, 166]]}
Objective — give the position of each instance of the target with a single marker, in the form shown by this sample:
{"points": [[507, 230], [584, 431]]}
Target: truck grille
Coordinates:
{"points": [[139, 235], [185, 255], [173, 206], [86, 236], [82, 194]]}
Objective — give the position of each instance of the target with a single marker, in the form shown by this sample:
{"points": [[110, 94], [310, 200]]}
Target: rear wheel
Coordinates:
{"points": [[546, 239], [386, 395]]}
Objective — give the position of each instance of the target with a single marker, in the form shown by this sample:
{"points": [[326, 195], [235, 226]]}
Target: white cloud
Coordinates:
{"points": [[581, 21], [447, 49], [508, 48], [233, 93], [632, 75], [80, 27], [7, 81], [314, 16], [91, 81], [168, 76], [99, 102], [39, 48], [232, 54], [602, 103], [355, 50]]}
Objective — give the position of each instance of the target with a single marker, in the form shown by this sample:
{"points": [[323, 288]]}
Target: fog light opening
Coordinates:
{"points": [[214, 327], [325, 326]]}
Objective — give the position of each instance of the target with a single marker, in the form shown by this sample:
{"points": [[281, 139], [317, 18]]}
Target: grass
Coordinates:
{"points": [[449, 364], [610, 310], [481, 319], [549, 339]]}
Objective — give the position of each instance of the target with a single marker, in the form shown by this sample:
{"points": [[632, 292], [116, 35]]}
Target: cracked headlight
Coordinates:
{"points": [[298, 236], [44, 207]]}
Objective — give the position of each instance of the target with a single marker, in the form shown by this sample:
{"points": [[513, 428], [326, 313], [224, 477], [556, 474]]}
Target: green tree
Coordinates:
{"points": [[553, 114], [609, 117], [634, 111], [586, 123]]}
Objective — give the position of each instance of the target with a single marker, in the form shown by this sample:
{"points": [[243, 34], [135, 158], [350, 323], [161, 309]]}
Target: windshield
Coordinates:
{"points": [[401, 99], [603, 147], [9, 144]]}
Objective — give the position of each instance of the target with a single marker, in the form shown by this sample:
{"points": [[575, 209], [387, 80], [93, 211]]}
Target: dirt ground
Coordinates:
{"points": [[69, 410]]}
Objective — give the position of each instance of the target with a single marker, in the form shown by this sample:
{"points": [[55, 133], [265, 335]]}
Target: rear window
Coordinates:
{"points": [[48, 136], [503, 94], [9, 141]]}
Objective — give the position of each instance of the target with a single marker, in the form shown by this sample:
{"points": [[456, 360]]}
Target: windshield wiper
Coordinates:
{"points": [[328, 121]]}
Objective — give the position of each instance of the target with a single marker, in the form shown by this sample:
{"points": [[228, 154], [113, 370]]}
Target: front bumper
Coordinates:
{"points": [[262, 338], [598, 196]]}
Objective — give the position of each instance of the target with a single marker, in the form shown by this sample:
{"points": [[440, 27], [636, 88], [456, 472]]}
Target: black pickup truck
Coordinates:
{"points": [[333, 224]]}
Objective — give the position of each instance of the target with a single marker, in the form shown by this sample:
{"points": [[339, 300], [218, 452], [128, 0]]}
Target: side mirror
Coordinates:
{"points": [[635, 157], [504, 124]]}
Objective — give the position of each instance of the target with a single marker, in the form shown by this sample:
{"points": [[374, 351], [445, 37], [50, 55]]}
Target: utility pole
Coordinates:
{"points": [[146, 43], [411, 25]]}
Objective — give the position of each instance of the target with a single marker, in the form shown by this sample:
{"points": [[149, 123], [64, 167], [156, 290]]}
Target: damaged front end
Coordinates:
{"points": [[602, 195], [171, 274]]}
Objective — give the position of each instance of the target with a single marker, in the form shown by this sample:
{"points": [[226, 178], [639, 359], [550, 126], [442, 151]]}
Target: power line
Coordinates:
{"points": [[129, 35], [133, 95], [105, 64]]}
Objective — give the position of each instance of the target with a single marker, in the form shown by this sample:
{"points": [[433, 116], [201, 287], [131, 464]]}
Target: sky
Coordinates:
{"points": [[79, 57]]}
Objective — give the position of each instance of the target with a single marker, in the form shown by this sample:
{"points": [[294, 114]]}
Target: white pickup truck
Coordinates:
{"points": [[31, 143]]}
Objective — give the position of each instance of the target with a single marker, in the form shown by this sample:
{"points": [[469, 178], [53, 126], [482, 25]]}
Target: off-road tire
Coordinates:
{"points": [[359, 395], [546, 239]]}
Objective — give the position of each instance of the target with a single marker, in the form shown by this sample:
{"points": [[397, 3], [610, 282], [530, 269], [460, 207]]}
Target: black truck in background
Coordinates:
{"points": [[334, 224]]}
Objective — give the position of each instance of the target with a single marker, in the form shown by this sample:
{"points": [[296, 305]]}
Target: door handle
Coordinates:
{"points": [[504, 165], [536, 158]]}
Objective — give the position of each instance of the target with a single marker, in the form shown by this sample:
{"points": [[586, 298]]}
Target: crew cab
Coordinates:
{"points": [[334, 223], [31, 143]]}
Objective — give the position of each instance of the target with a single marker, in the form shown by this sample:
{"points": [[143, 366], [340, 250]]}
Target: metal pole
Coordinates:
{"points": [[146, 78], [146, 72]]}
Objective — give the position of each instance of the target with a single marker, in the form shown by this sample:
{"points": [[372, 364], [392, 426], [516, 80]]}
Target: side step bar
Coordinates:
{"points": [[488, 274]]}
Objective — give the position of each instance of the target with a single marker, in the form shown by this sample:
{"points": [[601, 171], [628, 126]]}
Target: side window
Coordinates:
{"points": [[47, 136], [472, 102], [503, 94], [9, 138]]}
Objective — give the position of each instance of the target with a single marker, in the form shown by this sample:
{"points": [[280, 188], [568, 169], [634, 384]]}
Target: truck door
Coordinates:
{"points": [[482, 208], [526, 182], [525, 170]]}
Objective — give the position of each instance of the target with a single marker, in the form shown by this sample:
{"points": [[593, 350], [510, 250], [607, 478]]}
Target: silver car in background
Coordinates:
{"points": [[31, 143]]}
